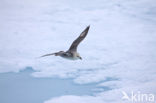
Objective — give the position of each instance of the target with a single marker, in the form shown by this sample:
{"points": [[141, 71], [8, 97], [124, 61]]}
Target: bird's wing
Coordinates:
{"points": [[76, 42], [48, 54]]}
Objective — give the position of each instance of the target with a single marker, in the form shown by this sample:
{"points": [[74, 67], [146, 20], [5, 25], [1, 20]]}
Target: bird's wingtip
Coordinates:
{"points": [[87, 28]]}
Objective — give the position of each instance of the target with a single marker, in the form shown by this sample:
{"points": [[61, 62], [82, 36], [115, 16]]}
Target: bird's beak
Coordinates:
{"points": [[80, 58]]}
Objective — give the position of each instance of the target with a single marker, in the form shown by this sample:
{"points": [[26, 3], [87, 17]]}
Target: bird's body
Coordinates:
{"points": [[72, 53], [71, 57], [68, 55]]}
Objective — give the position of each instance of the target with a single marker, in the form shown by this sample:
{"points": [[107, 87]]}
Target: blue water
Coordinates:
{"points": [[23, 88]]}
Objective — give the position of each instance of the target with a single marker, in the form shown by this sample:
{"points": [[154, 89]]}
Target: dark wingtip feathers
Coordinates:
{"points": [[88, 27]]}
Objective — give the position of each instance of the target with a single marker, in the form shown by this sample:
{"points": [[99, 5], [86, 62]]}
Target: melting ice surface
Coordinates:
{"points": [[119, 52], [23, 88]]}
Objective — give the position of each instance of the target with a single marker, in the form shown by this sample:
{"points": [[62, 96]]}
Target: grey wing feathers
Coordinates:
{"points": [[76, 42], [47, 54]]}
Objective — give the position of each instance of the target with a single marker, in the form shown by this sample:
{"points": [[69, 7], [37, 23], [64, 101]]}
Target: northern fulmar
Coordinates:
{"points": [[72, 53]]}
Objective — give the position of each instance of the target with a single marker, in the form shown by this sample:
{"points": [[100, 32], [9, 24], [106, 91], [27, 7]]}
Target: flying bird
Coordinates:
{"points": [[72, 53]]}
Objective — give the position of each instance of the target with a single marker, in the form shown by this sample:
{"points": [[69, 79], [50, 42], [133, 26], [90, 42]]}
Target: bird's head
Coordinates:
{"points": [[78, 56]]}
